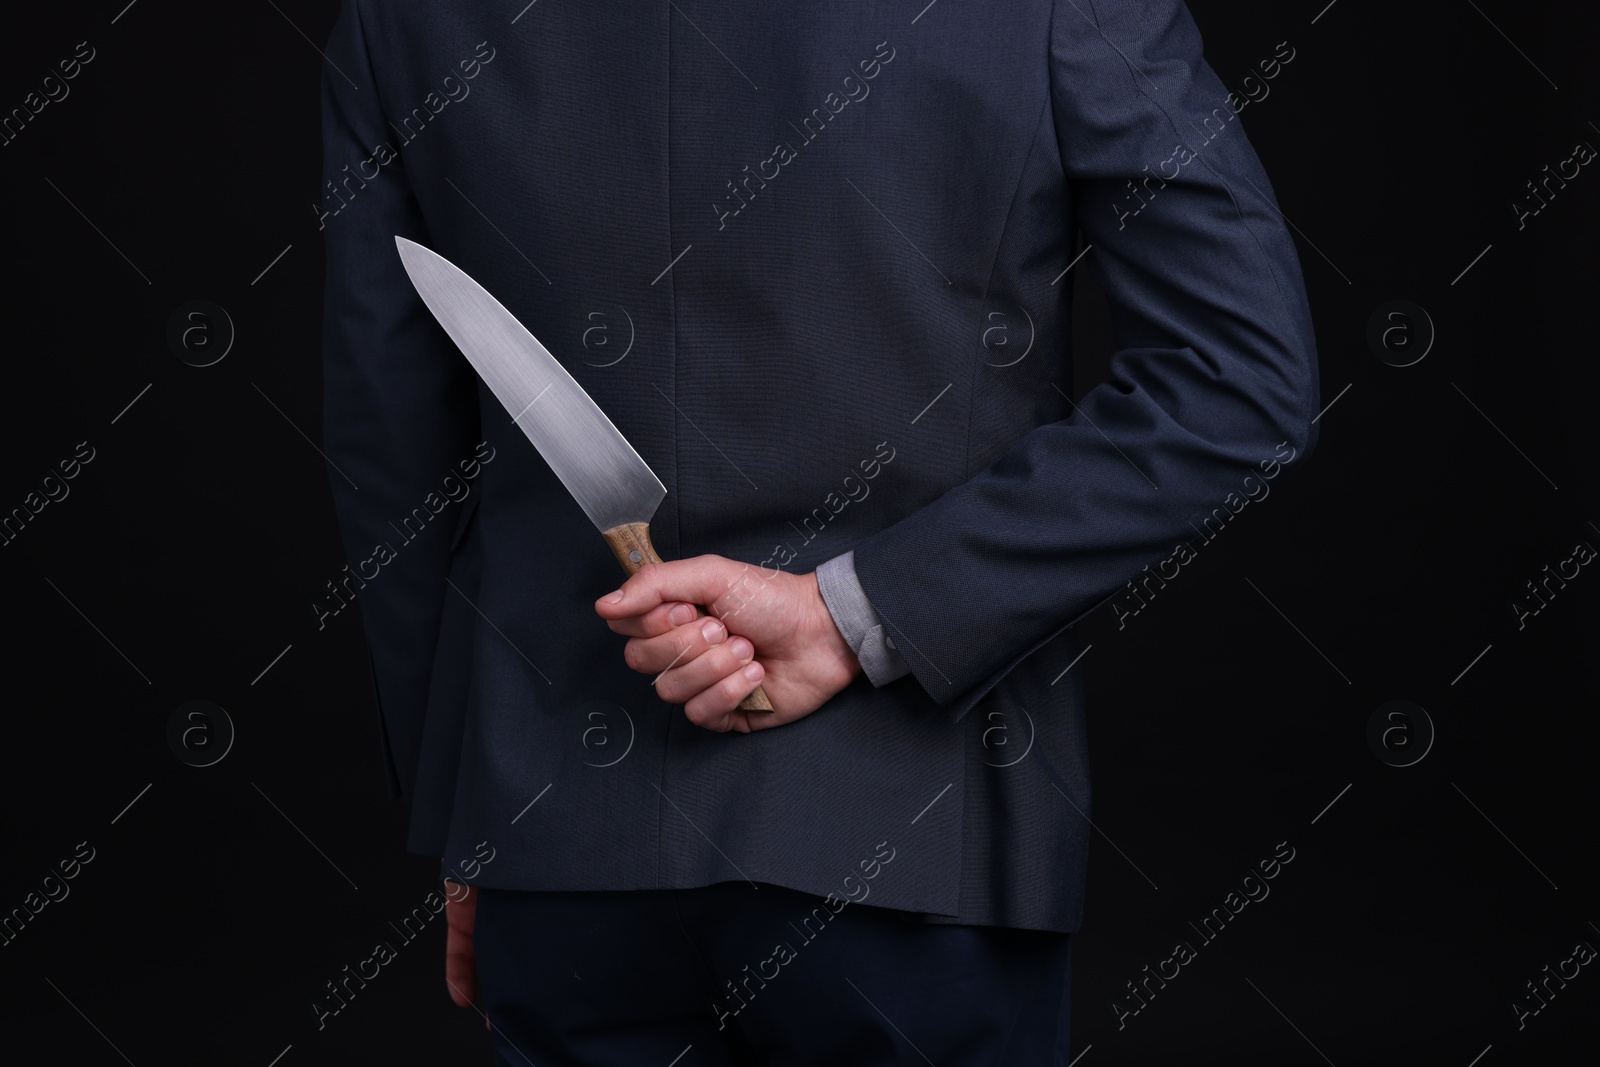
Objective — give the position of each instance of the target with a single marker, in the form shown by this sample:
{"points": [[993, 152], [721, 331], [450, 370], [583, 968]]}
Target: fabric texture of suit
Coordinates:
{"points": [[778, 262]]}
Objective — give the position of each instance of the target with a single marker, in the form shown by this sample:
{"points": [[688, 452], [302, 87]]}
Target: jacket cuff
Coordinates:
{"points": [[858, 622]]}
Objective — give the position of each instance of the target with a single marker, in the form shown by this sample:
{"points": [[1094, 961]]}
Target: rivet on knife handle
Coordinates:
{"points": [[633, 549]]}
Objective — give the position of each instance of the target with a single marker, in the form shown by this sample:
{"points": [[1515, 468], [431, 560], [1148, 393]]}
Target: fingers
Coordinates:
{"points": [[463, 988], [716, 708], [680, 645], [460, 963], [682, 683], [692, 658], [696, 664]]}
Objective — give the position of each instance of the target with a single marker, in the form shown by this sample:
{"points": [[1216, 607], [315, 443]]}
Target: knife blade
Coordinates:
{"points": [[608, 478]]}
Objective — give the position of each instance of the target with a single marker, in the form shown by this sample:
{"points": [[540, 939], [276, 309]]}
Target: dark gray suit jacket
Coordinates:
{"points": [[815, 261]]}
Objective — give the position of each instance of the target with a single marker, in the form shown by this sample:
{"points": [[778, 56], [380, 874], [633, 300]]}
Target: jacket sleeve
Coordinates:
{"points": [[400, 408], [1215, 368], [858, 623]]}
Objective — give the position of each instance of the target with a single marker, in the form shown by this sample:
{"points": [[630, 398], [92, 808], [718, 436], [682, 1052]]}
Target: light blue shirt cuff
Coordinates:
{"points": [[858, 621]]}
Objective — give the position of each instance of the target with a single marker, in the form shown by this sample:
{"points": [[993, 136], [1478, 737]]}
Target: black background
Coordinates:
{"points": [[1225, 717]]}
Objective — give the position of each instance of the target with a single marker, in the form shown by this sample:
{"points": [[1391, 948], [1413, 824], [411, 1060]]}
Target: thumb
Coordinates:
{"points": [[702, 580]]}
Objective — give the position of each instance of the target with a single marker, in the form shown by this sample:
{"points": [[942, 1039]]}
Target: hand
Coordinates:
{"points": [[460, 964], [780, 617]]}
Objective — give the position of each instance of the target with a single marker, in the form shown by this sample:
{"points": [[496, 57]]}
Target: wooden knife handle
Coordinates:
{"points": [[633, 549]]}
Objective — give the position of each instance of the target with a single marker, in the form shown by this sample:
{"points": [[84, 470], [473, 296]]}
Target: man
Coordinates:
{"points": [[815, 263]]}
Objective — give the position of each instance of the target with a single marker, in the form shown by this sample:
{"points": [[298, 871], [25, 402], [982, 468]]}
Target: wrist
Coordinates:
{"points": [[835, 650]]}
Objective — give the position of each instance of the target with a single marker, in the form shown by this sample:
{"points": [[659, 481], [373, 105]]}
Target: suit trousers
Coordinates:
{"points": [[741, 973]]}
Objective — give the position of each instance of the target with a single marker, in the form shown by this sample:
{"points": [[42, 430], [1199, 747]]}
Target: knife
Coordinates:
{"points": [[614, 486]]}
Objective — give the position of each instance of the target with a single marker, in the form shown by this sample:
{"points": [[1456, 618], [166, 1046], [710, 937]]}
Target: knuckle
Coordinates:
{"points": [[687, 650], [633, 654], [716, 698], [735, 687], [728, 668]]}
